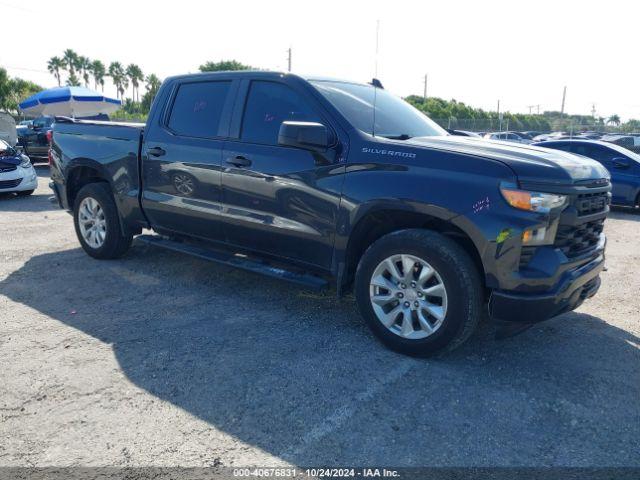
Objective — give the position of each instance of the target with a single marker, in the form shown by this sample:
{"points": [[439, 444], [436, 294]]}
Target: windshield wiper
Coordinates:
{"points": [[402, 136]]}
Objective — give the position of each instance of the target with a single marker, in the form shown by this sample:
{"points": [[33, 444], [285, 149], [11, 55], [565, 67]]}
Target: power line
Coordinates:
{"points": [[27, 69], [8, 5]]}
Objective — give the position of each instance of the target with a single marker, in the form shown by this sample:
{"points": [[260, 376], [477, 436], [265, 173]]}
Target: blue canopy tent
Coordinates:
{"points": [[70, 102]]}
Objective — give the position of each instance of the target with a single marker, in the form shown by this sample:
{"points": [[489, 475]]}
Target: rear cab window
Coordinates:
{"points": [[198, 108]]}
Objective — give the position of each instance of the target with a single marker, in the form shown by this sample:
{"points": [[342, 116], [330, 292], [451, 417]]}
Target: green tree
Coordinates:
{"points": [[14, 90], [153, 86], [99, 72], [613, 120], [223, 65], [119, 78], [54, 65], [70, 59], [631, 125], [73, 80], [136, 76], [84, 67]]}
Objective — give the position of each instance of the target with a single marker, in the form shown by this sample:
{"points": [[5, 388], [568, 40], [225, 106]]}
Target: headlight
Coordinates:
{"points": [[26, 163], [532, 201]]}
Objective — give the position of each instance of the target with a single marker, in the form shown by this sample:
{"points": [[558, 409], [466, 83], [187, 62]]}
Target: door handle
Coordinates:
{"points": [[239, 161], [156, 151]]}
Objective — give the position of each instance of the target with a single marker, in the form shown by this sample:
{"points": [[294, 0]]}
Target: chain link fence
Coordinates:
{"points": [[484, 125]]}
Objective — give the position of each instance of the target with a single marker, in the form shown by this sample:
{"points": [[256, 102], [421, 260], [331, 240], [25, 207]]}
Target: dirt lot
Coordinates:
{"points": [[162, 359]]}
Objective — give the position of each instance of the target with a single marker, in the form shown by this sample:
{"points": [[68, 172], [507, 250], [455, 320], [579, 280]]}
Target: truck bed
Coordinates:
{"points": [[110, 148]]}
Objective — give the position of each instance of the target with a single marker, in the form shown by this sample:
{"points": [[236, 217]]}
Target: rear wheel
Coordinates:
{"points": [[97, 223], [419, 292]]}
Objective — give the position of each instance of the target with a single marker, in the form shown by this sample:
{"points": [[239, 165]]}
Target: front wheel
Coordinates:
{"points": [[97, 224], [419, 292]]}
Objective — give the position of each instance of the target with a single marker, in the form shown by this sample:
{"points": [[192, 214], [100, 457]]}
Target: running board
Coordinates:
{"points": [[235, 260]]}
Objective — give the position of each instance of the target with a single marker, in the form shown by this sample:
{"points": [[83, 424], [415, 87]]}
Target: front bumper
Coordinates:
{"points": [[576, 286], [27, 177]]}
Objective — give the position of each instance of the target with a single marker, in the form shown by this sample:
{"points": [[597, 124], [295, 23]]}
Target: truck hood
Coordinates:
{"points": [[530, 164]]}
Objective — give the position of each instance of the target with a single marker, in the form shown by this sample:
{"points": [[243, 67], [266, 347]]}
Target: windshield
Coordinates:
{"points": [[5, 149], [624, 151], [394, 118]]}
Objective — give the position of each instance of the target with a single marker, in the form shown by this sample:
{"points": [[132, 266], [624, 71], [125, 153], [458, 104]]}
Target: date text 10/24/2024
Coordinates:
{"points": [[316, 472]]}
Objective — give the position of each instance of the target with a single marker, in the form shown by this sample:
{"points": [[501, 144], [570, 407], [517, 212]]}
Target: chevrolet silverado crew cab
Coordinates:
{"points": [[328, 182]]}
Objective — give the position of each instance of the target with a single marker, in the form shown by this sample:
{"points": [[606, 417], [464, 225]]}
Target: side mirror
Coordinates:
{"points": [[306, 135], [19, 149], [620, 162]]}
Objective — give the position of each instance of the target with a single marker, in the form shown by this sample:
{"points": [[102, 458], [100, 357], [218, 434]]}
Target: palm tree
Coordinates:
{"points": [[84, 66], [136, 76], [98, 71], [153, 84], [70, 59], [73, 80], [614, 120], [117, 74], [54, 65]]}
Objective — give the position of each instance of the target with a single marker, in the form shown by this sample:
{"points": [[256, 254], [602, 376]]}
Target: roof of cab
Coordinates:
{"points": [[258, 74]]}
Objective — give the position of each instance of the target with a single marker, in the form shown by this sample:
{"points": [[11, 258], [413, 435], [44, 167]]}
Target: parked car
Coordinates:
{"points": [[291, 177], [549, 136], [630, 142], [462, 133], [507, 137], [17, 175], [530, 134], [34, 140], [623, 164]]}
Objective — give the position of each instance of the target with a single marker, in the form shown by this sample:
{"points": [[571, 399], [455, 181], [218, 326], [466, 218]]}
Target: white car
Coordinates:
{"points": [[507, 137], [16, 172]]}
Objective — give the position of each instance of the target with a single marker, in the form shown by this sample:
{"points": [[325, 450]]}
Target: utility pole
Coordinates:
{"points": [[289, 60], [531, 106], [425, 88], [499, 118], [564, 96]]}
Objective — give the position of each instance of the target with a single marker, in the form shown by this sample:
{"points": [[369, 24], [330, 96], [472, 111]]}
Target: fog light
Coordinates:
{"points": [[537, 236]]}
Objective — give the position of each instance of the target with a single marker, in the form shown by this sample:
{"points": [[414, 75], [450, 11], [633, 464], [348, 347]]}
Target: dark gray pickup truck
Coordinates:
{"points": [[326, 182]]}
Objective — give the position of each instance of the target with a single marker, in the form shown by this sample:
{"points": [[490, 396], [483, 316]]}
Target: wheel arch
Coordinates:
{"points": [[81, 172], [377, 221]]}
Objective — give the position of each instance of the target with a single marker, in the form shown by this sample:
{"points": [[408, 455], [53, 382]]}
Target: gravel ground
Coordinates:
{"points": [[162, 359]]}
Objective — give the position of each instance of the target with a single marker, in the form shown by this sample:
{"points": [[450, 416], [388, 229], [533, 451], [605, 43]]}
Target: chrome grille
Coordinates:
{"points": [[10, 183]]}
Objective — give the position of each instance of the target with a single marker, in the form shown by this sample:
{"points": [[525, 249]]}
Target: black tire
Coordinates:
{"points": [[25, 193], [116, 243], [459, 276]]}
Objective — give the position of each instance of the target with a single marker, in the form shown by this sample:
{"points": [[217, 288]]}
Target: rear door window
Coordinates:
{"points": [[197, 109], [268, 105]]}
